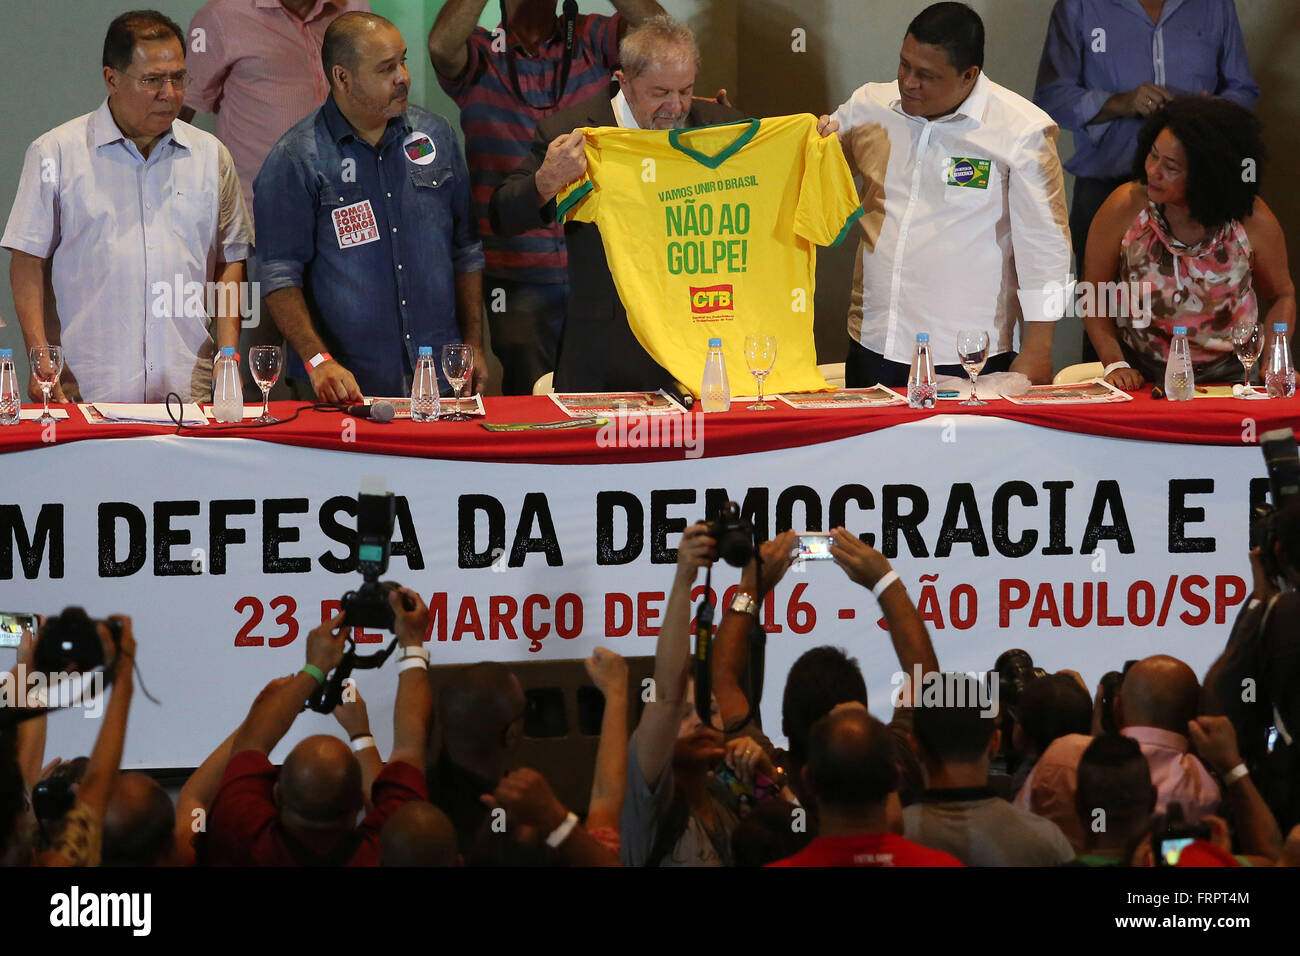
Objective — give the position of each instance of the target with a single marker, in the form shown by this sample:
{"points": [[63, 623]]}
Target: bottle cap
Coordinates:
{"points": [[1279, 327], [1180, 330], [715, 343], [6, 353], [923, 336], [228, 350], [426, 350]]}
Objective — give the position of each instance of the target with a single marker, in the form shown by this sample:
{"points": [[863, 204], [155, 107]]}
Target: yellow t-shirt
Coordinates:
{"points": [[712, 232]]}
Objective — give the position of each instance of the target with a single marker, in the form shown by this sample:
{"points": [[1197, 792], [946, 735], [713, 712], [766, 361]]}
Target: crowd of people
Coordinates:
{"points": [[1161, 768], [379, 234]]}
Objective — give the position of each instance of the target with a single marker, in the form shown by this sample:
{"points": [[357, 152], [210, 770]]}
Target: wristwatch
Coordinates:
{"points": [[744, 603]]}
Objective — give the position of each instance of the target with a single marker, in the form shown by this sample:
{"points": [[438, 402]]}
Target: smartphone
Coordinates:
{"points": [[814, 546], [12, 624], [1171, 850]]}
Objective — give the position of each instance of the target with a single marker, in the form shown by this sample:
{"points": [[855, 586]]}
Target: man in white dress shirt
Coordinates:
{"points": [[965, 221], [129, 233]]}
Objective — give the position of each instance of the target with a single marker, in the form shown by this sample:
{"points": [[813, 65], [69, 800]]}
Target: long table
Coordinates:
{"points": [[1087, 535]]}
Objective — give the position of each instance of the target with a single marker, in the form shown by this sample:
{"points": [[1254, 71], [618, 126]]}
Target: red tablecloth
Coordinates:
{"points": [[1207, 421]]}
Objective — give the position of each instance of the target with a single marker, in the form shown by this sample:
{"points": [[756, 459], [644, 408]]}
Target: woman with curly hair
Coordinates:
{"points": [[1192, 230]]}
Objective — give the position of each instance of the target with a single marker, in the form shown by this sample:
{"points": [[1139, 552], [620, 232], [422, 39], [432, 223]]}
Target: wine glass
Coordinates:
{"points": [[1247, 342], [457, 365], [265, 362], [760, 353], [47, 365], [973, 351]]}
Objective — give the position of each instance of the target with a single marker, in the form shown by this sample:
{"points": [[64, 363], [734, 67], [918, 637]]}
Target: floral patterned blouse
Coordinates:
{"points": [[1206, 287]]}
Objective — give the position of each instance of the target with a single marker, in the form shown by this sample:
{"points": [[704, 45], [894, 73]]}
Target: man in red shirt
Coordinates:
{"points": [[305, 813], [851, 773]]}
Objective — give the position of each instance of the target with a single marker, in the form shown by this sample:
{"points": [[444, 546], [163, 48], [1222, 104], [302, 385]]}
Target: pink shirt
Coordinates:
{"points": [[1176, 774], [257, 67]]}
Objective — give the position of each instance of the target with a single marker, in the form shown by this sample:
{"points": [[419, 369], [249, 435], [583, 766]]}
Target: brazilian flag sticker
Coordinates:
{"points": [[971, 173]]}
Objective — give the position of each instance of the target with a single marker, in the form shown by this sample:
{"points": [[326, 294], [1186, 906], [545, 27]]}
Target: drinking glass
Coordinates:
{"points": [[265, 362], [47, 365], [973, 351], [760, 353], [1247, 342], [457, 365]]}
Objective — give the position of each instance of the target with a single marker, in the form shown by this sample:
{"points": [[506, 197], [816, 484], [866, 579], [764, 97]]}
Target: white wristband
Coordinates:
{"points": [[561, 833], [1114, 367], [414, 651], [883, 583], [1235, 774], [407, 663], [362, 743]]}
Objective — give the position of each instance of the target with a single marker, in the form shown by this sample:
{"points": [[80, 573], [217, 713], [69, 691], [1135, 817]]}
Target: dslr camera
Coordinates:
{"points": [[734, 535], [368, 605], [1283, 463]]}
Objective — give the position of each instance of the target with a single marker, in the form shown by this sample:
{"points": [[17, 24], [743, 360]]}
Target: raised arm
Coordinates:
{"points": [[450, 32], [1215, 741], [196, 796], [273, 713], [657, 730], [106, 758], [414, 704], [866, 566], [635, 12], [731, 645], [354, 718], [608, 671]]}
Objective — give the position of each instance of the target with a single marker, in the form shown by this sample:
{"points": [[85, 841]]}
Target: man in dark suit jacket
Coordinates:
{"points": [[598, 352]]}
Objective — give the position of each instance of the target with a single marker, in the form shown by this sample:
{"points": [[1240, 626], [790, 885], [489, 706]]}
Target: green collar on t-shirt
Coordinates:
{"points": [[713, 162]]}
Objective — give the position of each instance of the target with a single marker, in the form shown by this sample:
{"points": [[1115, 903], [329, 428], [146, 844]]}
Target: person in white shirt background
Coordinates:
{"points": [[965, 211], [120, 215]]}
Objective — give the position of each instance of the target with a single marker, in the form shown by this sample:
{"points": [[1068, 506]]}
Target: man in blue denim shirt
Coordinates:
{"points": [[1109, 64], [364, 229]]}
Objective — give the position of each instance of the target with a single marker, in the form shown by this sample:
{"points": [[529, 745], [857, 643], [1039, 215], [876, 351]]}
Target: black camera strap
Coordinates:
{"points": [[330, 694], [562, 79]]}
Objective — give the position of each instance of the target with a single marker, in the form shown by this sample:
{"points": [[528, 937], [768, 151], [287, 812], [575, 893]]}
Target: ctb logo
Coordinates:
{"points": [[714, 298]]}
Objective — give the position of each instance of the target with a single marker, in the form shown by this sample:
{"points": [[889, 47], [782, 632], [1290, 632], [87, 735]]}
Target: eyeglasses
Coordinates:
{"points": [[155, 83]]}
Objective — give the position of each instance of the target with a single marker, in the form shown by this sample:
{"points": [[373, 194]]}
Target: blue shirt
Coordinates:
{"points": [[373, 236], [1096, 48]]}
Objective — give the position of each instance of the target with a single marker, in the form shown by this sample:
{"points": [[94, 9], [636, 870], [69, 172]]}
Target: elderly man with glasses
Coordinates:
{"points": [[133, 223]]}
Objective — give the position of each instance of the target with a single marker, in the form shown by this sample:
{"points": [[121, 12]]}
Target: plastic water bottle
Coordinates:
{"points": [[715, 390], [424, 388], [1180, 383], [921, 390], [11, 399], [1279, 373], [227, 390]]}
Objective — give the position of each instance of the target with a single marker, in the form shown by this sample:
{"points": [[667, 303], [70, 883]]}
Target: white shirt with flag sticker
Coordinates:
{"points": [[355, 225]]}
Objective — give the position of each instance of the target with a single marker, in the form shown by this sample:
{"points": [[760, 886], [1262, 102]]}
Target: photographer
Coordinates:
{"points": [[1256, 680], [304, 814], [676, 812], [822, 677], [80, 837]]}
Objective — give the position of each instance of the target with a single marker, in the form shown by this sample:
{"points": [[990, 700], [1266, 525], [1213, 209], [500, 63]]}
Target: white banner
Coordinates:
{"points": [[1085, 551]]}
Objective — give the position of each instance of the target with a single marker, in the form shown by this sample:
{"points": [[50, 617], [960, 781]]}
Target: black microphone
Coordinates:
{"points": [[376, 412]]}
